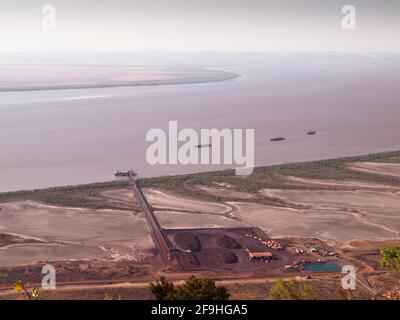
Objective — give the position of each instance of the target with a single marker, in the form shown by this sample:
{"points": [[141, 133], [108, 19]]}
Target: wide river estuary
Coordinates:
{"points": [[67, 137]]}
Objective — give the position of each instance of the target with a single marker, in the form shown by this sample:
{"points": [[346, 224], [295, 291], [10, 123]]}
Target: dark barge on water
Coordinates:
{"points": [[278, 139], [207, 145]]}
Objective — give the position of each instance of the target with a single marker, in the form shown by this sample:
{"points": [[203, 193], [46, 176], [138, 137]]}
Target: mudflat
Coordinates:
{"points": [[71, 234], [50, 77]]}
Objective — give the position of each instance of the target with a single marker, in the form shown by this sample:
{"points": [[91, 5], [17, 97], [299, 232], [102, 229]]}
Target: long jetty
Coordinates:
{"points": [[155, 227]]}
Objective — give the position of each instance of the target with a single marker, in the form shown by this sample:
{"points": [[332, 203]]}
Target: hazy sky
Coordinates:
{"points": [[226, 25]]}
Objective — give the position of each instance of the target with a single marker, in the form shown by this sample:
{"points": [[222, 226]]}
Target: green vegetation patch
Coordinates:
{"points": [[270, 176], [81, 196]]}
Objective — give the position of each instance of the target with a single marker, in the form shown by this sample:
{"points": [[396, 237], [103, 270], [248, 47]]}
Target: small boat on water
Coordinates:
{"points": [[278, 139], [311, 132], [199, 146]]}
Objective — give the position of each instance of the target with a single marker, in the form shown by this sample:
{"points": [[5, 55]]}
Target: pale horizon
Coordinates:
{"points": [[192, 26]]}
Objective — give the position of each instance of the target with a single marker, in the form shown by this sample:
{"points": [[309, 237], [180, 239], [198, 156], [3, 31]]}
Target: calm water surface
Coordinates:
{"points": [[322, 267], [64, 137]]}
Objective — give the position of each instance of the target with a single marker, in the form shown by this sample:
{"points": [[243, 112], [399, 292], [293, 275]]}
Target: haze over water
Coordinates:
{"points": [[67, 137]]}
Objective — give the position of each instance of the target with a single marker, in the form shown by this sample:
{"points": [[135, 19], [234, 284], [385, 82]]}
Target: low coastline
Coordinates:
{"points": [[295, 168], [197, 76]]}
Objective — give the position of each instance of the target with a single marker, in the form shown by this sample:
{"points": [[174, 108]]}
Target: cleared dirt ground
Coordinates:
{"points": [[159, 199], [375, 209], [331, 226], [351, 184], [356, 214], [331, 215], [386, 169], [71, 233], [185, 220], [332, 210]]}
